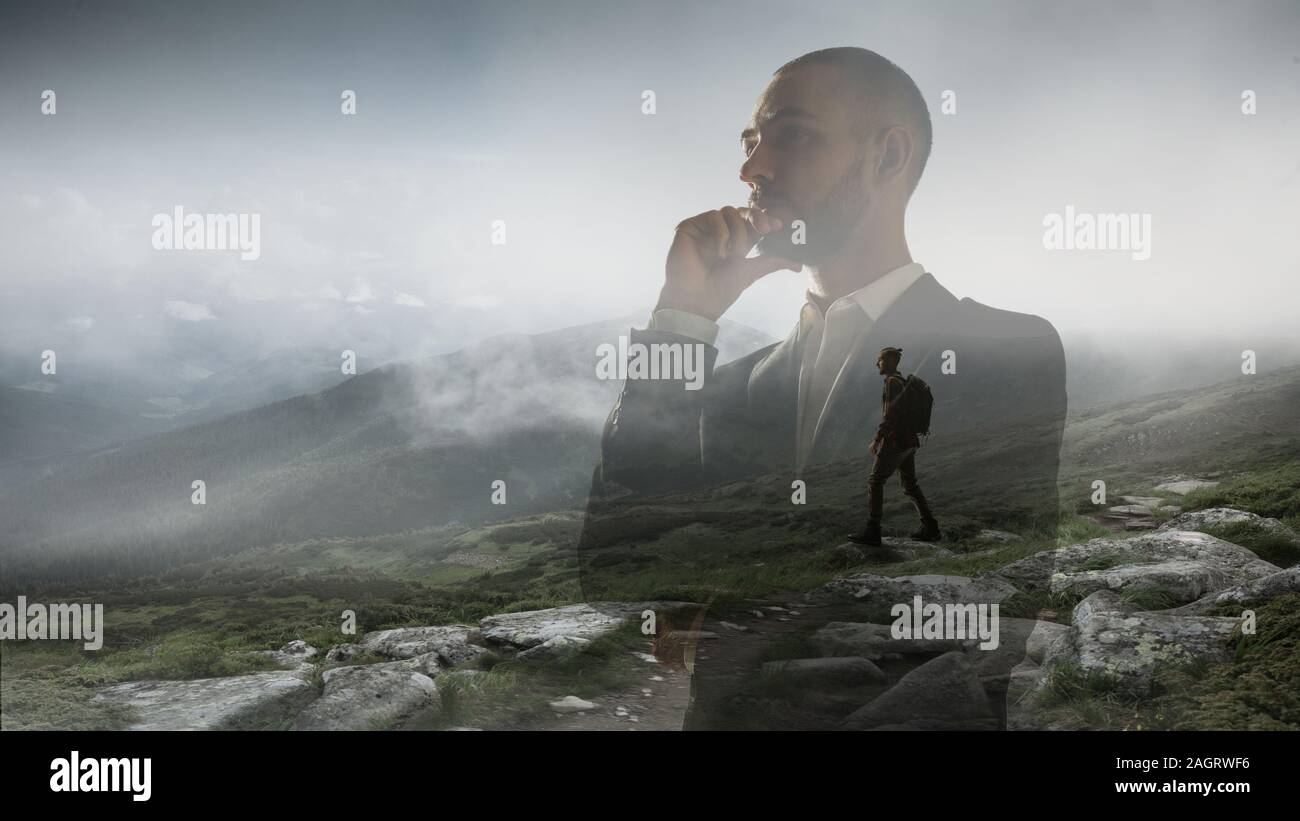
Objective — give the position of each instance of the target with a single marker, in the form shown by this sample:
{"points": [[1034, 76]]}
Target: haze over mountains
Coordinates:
{"points": [[97, 479], [402, 446]]}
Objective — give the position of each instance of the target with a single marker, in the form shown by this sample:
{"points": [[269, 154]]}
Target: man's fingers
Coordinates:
{"points": [[762, 222], [720, 234], [743, 235], [753, 269]]}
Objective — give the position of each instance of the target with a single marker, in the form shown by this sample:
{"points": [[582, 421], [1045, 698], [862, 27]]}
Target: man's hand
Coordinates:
{"points": [[707, 269]]}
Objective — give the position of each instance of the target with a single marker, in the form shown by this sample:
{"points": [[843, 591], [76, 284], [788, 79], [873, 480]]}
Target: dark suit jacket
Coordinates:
{"points": [[1004, 377]]}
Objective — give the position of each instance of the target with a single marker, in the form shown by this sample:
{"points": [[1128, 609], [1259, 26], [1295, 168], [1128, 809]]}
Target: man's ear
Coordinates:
{"points": [[895, 153]]}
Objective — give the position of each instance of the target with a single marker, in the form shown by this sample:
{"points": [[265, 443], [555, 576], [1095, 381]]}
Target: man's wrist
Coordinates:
{"points": [[685, 323]]}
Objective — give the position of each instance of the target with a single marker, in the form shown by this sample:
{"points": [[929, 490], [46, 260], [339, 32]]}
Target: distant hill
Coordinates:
{"points": [[403, 446]]}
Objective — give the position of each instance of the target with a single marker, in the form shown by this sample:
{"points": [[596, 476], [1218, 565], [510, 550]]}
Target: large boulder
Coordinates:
{"points": [[555, 649], [942, 694], [1221, 517], [1182, 580], [1126, 648], [451, 642], [369, 696], [1237, 564], [256, 699]]}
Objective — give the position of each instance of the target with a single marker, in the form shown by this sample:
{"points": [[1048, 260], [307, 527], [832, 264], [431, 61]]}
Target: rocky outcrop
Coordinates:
{"points": [[1221, 517], [555, 649], [256, 699], [451, 642], [1108, 639], [370, 696], [1182, 580], [1235, 564]]}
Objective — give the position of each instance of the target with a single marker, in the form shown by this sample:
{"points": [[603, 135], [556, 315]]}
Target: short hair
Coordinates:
{"points": [[886, 90]]}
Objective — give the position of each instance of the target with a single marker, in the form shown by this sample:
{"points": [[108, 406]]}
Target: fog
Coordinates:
{"points": [[377, 228]]}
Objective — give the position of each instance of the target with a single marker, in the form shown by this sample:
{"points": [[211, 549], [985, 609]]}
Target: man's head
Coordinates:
{"points": [[888, 360], [838, 139]]}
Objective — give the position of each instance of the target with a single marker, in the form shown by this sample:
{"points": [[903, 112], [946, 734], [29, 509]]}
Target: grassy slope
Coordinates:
{"points": [[194, 621]]}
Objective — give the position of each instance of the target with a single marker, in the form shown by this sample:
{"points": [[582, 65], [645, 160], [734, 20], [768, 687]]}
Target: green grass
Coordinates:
{"points": [[1272, 492], [1259, 690], [1275, 548]]}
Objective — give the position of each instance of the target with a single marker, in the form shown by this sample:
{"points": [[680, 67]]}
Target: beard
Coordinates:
{"points": [[827, 226]]}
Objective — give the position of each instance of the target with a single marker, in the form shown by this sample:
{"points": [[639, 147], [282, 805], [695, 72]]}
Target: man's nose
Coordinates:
{"points": [[756, 170]]}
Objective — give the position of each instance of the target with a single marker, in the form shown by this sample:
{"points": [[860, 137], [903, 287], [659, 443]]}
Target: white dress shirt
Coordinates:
{"points": [[825, 342]]}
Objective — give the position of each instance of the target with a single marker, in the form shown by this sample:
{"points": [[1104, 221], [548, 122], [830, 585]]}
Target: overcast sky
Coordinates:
{"points": [[531, 113]]}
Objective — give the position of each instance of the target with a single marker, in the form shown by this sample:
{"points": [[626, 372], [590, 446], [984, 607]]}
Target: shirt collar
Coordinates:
{"points": [[876, 297]]}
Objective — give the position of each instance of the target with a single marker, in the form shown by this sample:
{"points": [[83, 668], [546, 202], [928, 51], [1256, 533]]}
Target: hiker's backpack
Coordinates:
{"points": [[915, 404]]}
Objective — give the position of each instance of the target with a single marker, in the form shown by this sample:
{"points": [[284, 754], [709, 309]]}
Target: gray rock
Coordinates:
{"points": [[840, 671], [450, 641], [1184, 486], [572, 704], [344, 652], [211, 703], [942, 694], [369, 696], [1227, 516], [1130, 510], [554, 649], [1019, 640], [587, 621], [1253, 592], [429, 664], [296, 655], [1128, 648], [1238, 563], [886, 591], [1182, 579], [1101, 602]]}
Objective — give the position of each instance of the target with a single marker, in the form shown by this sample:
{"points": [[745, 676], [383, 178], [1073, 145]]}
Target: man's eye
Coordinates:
{"points": [[748, 146], [793, 135]]}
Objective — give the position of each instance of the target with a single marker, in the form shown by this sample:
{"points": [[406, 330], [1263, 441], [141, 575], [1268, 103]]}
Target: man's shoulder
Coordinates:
{"points": [[1000, 323]]}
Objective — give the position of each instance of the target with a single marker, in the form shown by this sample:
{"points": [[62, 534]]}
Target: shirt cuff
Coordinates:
{"points": [[685, 323]]}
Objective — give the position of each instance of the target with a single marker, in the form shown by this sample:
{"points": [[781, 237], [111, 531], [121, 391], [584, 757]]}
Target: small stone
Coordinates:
{"points": [[571, 704]]}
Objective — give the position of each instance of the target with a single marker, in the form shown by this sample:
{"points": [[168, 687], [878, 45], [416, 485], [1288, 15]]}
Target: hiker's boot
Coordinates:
{"points": [[870, 536], [929, 532]]}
